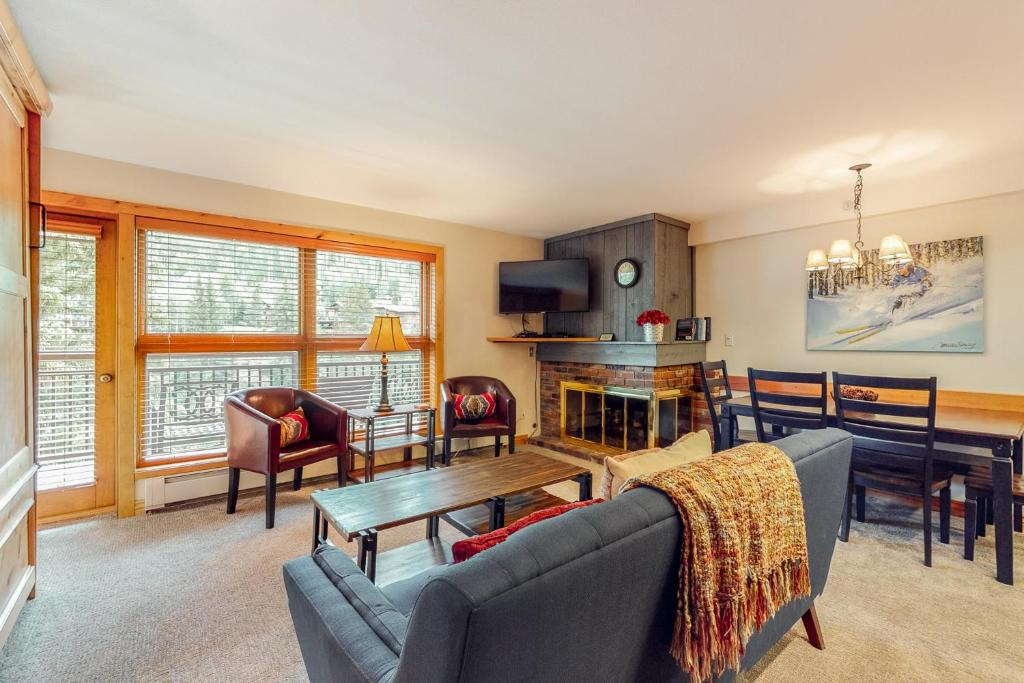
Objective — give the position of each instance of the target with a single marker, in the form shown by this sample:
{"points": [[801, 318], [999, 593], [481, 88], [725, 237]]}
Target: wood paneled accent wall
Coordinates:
{"points": [[659, 244]]}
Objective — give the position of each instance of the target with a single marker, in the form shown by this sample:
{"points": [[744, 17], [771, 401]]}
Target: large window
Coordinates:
{"points": [[222, 310]]}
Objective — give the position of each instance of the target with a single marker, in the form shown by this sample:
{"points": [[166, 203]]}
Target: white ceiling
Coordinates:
{"points": [[534, 116]]}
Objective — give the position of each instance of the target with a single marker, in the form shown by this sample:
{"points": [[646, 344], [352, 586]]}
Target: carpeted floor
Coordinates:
{"points": [[196, 595]]}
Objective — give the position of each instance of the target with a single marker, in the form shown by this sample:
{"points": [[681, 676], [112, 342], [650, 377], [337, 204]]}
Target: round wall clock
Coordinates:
{"points": [[627, 272]]}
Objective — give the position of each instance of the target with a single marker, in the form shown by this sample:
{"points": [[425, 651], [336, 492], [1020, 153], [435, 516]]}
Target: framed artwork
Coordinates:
{"points": [[935, 303]]}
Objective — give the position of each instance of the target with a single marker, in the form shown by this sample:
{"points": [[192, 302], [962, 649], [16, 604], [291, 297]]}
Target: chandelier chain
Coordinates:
{"points": [[857, 188]]}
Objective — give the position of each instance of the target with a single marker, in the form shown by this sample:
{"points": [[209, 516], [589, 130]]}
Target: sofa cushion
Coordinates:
{"points": [[386, 621], [467, 548], [618, 468]]}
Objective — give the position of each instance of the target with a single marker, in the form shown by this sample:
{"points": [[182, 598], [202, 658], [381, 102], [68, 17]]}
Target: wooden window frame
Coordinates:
{"points": [[307, 344]]}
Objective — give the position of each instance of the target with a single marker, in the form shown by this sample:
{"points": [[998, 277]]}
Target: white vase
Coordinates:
{"points": [[653, 333]]}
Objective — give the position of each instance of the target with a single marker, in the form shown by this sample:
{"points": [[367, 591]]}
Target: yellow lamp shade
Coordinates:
{"points": [[816, 260], [893, 248], [841, 251], [386, 335]]}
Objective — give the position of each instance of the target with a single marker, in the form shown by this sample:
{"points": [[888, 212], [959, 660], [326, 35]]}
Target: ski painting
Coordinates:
{"points": [[935, 303]]}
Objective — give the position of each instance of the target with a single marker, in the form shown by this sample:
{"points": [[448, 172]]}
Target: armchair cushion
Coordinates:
{"points": [[474, 407], [294, 427]]}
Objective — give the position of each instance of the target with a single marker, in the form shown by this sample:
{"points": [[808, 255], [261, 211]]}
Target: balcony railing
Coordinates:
{"points": [[183, 410]]}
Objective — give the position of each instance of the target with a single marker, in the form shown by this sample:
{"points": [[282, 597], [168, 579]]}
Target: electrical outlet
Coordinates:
{"points": [[729, 341], [533, 351]]}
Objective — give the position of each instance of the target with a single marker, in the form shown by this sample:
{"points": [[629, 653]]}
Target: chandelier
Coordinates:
{"points": [[846, 262]]}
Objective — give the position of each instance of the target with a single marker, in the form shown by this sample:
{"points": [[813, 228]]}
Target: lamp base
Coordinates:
{"points": [[384, 408]]}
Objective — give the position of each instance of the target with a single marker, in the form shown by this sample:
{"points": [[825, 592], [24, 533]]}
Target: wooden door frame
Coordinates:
{"points": [[80, 501]]}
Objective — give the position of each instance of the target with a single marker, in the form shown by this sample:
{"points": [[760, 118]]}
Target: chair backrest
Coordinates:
{"points": [[804, 407], [896, 434], [272, 401], [714, 379], [473, 384]]}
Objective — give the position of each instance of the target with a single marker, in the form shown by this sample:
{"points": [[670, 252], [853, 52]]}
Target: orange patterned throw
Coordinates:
{"points": [[744, 551]]}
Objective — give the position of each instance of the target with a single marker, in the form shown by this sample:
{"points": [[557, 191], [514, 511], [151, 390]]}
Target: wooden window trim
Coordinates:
{"points": [[126, 215], [307, 344]]}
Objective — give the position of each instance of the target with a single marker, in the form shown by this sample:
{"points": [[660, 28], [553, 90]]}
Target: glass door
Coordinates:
{"points": [[75, 420]]}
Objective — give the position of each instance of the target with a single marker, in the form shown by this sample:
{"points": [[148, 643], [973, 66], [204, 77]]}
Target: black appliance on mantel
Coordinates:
{"points": [[553, 286]]}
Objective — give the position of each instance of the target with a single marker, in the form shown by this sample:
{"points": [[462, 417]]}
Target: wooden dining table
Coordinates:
{"points": [[996, 439]]}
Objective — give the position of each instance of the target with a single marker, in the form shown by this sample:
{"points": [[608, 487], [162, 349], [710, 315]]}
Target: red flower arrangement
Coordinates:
{"points": [[652, 317]]}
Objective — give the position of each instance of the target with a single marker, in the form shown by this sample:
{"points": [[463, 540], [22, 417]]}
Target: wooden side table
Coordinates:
{"points": [[371, 443]]}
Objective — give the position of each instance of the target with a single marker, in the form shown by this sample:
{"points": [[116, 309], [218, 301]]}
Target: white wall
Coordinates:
{"points": [[471, 254], [755, 290]]}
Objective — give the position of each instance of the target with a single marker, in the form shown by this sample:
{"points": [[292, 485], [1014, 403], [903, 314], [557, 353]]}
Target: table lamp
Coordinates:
{"points": [[386, 335]]}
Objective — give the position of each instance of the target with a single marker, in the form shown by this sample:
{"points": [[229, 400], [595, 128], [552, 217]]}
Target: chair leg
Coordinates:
{"points": [[813, 628], [446, 451], [234, 474], [271, 497], [342, 468], [511, 443], [926, 499], [981, 526], [970, 527], [497, 446], [861, 502], [297, 480], [844, 527], [945, 505]]}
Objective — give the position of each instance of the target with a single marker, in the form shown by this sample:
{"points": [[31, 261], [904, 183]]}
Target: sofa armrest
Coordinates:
{"points": [[253, 439], [346, 628]]}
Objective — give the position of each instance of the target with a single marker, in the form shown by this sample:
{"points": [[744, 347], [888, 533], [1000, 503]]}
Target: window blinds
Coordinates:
{"points": [[67, 362], [220, 314]]}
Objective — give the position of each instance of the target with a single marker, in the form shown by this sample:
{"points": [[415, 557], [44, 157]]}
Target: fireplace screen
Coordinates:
{"points": [[621, 419]]}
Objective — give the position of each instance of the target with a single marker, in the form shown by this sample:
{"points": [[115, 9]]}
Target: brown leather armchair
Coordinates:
{"points": [[254, 437], [502, 422]]}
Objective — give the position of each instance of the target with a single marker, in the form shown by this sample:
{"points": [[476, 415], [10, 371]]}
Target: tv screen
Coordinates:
{"points": [[544, 286]]}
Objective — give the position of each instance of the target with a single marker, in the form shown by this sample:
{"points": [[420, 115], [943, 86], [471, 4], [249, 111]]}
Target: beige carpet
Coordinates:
{"points": [[194, 594]]}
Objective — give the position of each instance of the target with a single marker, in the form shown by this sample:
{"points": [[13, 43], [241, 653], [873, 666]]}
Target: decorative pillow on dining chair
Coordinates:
{"points": [[473, 407], [294, 427]]}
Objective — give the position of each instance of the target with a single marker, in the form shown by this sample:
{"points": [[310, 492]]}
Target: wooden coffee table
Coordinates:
{"points": [[360, 512]]}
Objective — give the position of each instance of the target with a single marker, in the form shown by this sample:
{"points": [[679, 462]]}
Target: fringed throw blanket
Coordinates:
{"points": [[744, 551]]}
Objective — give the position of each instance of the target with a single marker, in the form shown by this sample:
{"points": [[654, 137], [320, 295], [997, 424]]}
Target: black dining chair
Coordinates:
{"points": [[714, 379], [805, 406], [893, 447]]}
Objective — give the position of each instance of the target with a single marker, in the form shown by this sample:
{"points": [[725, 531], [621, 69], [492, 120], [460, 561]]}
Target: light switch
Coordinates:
{"points": [[729, 341]]}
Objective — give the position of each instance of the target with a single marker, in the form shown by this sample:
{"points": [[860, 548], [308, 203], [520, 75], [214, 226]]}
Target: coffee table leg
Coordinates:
{"points": [[586, 484], [368, 552], [367, 542], [316, 528], [496, 506], [433, 524]]}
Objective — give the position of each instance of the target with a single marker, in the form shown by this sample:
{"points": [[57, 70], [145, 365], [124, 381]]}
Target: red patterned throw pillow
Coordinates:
{"points": [[471, 407], [467, 548], [294, 427]]}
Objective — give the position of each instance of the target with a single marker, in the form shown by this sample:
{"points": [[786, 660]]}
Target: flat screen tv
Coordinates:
{"points": [[561, 286]]}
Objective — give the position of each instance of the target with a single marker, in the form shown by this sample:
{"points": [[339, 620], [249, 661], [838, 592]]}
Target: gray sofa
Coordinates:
{"points": [[586, 596]]}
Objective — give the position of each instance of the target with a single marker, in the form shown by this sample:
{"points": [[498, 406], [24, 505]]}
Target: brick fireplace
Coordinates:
{"points": [[595, 408]]}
